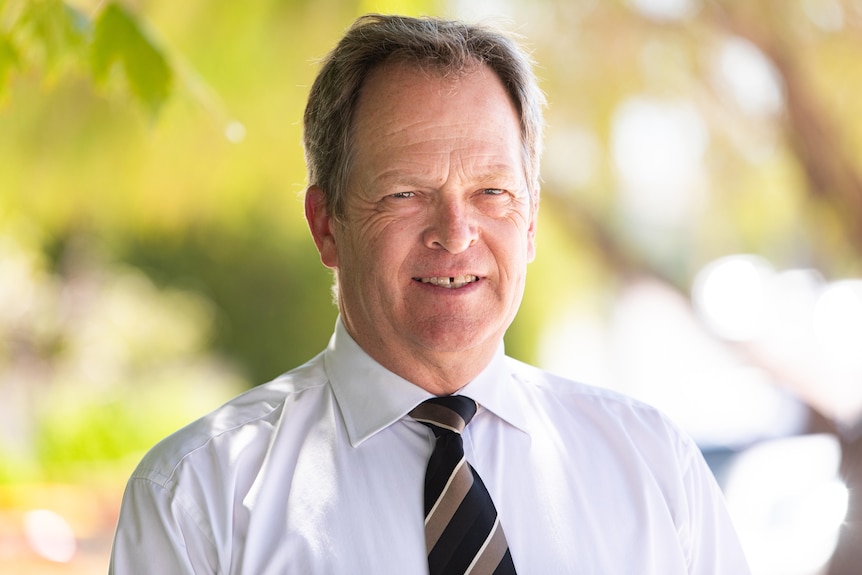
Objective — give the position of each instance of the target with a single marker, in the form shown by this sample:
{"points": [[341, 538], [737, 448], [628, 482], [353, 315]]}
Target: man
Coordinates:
{"points": [[423, 141]]}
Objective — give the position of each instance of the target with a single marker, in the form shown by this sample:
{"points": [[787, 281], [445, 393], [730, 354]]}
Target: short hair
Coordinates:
{"points": [[442, 46]]}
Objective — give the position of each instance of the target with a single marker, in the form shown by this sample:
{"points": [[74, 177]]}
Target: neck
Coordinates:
{"points": [[438, 372], [441, 373]]}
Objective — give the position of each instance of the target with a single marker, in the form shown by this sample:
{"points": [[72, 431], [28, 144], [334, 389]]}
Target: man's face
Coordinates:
{"points": [[431, 256]]}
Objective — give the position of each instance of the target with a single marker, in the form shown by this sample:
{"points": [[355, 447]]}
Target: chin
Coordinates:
{"points": [[455, 334]]}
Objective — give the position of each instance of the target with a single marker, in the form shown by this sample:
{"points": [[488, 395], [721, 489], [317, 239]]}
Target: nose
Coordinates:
{"points": [[451, 227]]}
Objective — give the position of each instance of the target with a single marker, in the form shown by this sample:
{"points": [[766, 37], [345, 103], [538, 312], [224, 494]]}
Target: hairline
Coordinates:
{"points": [[496, 52]]}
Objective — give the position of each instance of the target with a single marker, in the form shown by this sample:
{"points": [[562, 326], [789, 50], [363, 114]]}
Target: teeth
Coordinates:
{"points": [[450, 282]]}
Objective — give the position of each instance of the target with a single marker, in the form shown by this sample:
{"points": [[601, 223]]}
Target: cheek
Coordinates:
{"points": [[388, 244], [512, 242], [374, 260]]}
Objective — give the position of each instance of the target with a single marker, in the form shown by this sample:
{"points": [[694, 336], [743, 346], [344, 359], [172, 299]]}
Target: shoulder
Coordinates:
{"points": [[247, 422], [538, 381], [581, 408]]}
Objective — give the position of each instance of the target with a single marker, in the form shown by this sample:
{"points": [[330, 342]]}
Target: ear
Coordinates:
{"points": [[531, 231], [321, 224]]}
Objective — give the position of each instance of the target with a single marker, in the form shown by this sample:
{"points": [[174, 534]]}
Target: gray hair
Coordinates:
{"points": [[443, 46]]}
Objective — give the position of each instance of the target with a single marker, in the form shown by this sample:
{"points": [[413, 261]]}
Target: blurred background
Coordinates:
{"points": [[700, 240]]}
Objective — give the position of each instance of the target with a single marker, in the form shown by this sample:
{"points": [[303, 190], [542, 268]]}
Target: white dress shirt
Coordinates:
{"points": [[321, 472]]}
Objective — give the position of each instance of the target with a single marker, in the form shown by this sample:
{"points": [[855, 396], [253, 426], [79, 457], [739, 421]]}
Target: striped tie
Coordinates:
{"points": [[462, 531]]}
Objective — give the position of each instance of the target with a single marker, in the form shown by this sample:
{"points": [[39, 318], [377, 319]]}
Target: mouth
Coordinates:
{"points": [[450, 282]]}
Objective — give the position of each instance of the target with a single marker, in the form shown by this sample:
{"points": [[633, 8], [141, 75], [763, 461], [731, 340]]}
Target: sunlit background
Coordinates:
{"points": [[700, 242]]}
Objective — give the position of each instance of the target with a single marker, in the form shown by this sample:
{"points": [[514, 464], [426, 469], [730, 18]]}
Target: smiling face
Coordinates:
{"points": [[439, 224]]}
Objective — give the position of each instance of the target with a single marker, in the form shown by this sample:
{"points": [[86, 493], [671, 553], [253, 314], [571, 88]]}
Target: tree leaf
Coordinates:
{"points": [[50, 33], [8, 61], [119, 40]]}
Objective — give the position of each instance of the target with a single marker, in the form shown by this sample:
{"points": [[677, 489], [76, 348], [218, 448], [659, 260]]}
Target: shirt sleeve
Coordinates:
{"points": [[157, 534], [711, 543]]}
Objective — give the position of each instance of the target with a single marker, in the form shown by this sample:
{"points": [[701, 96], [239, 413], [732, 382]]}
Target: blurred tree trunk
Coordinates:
{"points": [[833, 177]]}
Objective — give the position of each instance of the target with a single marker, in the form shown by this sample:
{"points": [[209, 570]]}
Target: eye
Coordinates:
{"points": [[492, 192], [399, 195]]}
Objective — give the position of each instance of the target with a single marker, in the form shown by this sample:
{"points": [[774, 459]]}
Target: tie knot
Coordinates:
{"points": [[450, 413]]}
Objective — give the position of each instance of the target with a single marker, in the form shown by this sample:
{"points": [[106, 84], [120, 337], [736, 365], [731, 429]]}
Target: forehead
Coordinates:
{"points": [[383, 91], [407, 110]]}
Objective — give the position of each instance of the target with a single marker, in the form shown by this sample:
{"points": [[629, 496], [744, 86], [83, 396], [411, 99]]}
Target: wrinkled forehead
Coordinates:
{"points": [[451, 71], [402, 100]]}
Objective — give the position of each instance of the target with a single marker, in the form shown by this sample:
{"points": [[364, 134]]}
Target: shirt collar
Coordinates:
{"points": [[370, 397], [497, 390]]}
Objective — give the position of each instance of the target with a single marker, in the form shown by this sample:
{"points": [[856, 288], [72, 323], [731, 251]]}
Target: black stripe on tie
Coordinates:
{"points": [[506, 566], [465, 533], [443, 462]]}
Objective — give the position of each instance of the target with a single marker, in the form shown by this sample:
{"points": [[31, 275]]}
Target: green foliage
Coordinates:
{"points": [[274, 310], [51, 32], [96, 363], [79, 429], [52, 36], [118, 39], [8, 60]]}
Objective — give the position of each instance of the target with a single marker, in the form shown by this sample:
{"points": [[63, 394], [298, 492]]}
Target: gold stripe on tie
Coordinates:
{"points": [[491, 553], [447, 504]]}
